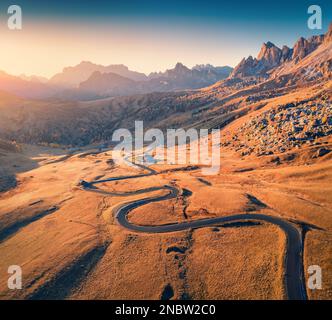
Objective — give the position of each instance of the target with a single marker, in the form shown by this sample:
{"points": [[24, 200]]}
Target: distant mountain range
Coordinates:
{"points": [[276, 75], [102, 82], [89, 81], [26, 88], [73, 76]]}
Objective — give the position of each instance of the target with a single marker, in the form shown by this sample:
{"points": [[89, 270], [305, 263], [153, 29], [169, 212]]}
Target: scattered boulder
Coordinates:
{"points": [[285, 127], [322, 152]]}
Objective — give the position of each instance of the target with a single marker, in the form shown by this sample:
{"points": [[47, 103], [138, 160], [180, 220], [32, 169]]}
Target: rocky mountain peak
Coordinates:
{"points": [[300, 49], [179, 70], [269, 55], [201, 67], [181, 67], [269, 45], [328, 35], [85, 63], [286, 54], [303, 46]]}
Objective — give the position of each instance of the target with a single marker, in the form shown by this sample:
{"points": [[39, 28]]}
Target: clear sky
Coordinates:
{"points": [[148, 35]]}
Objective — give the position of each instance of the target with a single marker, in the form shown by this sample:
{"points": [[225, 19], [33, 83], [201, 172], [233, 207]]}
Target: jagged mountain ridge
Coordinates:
{"points": [[81, 123], [108, 83], [89, 81], [28, 88], [73, 76], [103, 85], [271, 56]]}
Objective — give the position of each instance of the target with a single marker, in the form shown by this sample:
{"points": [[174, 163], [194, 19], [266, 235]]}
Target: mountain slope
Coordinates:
{"points": [[313, 65], [271, 57], [26, 88], [101, 85], [108, 84], [73, 76], [196, 77], [80, 123]]}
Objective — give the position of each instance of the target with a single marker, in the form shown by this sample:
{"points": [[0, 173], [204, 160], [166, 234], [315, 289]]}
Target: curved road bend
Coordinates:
{"points": [[294, 278]]}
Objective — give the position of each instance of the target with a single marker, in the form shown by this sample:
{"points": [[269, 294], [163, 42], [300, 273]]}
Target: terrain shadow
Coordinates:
{"points": [[14, 228], [13, 162], [69, 278]]}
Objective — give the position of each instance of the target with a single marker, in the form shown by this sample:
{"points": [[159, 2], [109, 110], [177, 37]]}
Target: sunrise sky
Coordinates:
{"points": [[148, 35]]}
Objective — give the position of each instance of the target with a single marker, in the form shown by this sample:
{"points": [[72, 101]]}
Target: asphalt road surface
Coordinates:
{"points": [[294, 278]]}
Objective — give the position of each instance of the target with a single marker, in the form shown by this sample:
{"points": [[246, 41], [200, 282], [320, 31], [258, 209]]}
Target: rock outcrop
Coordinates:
{"points": [[328, 35], [303, 47], [271, 57]]}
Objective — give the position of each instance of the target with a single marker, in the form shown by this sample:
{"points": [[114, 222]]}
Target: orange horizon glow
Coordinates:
{"points": [[45, 48]]}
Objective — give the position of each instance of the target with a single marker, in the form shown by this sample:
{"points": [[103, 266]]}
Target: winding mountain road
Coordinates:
{"points": [[293, 260]]}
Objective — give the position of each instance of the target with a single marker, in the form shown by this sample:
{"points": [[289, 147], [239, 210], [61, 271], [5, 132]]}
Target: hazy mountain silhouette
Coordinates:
{"points": [[73, 76]]}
